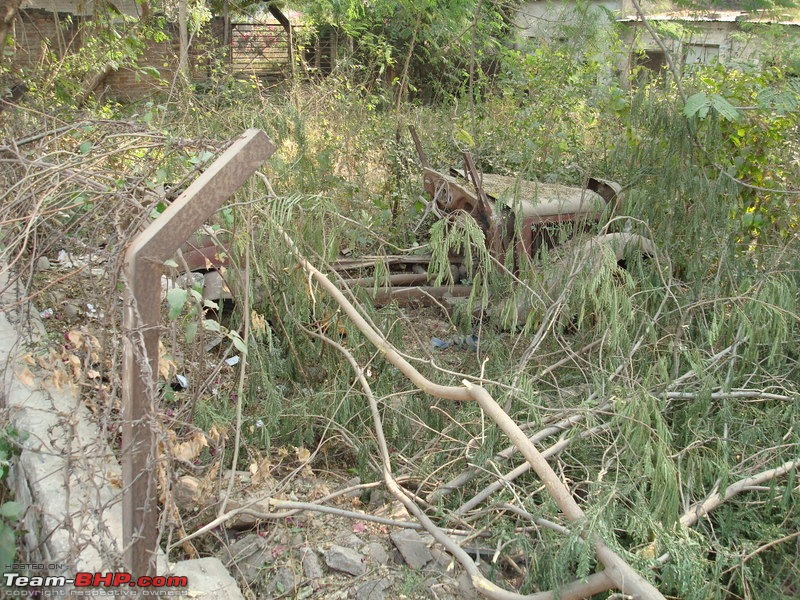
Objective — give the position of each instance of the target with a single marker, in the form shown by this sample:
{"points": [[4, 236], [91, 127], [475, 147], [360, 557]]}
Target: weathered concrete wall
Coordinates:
{"points": [[540, 18], [724, 36], [66, 476]]}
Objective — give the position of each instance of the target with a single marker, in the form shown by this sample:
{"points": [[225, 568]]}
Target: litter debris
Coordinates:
{"points": [[213, 343], [47, 313], [67, 260], [467, 341], [233, 360]]}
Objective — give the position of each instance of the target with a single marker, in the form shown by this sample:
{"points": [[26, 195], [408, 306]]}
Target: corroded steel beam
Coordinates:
{"points": [[144, 261]]}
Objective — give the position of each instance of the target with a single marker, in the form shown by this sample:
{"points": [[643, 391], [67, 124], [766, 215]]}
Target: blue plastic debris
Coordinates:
{"points": [[468, 341], [440, 344]]}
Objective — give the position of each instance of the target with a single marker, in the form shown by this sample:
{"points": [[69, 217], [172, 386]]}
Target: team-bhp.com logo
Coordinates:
{"points": [[86, 583]]}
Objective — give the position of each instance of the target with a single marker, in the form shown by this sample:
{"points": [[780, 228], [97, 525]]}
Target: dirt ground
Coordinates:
{"points": [[286, 552]]}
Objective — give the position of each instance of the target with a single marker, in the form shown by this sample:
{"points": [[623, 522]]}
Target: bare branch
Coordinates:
{"points": [[701, 509], [623, 576]]}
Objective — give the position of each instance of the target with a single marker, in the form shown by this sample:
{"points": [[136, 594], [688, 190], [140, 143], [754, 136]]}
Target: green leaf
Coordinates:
{"points": [[211, 325], [724, 108], [239, 343], [465, 138], [85, 148], [697, 103], [227, 215], [12, 510], [191, 332], [151, 71], [176, 299]]}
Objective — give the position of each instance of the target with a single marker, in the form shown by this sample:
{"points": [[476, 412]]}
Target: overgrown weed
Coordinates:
{"points": [[666, 352]]}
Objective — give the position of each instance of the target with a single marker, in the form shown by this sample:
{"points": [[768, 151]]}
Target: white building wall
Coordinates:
{"points": [[81, 7], [544, 18], [704, 37]]}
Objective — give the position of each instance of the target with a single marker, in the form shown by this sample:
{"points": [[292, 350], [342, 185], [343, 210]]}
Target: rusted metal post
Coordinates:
{"points": [[423, 160], [144, 262]]}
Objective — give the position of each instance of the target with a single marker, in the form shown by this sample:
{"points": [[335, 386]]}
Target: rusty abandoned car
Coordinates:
{"points": [[521, 220]]}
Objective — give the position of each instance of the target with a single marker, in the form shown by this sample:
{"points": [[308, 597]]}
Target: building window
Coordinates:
{"points": [[653, 60], [701, 54]]}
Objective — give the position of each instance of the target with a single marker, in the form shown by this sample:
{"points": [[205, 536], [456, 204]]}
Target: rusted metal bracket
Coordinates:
{"points": [[144, 261], [423, 160]]}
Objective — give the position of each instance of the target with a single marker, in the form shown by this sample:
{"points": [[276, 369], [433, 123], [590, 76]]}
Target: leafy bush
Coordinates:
{"points": [[11, 511]]}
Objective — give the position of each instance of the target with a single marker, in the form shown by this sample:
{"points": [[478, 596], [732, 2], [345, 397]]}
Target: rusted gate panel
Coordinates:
{"points": [[260, 49], [144, 262]]}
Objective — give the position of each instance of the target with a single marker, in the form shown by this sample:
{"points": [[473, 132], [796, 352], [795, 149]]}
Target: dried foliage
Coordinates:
{"points": [[658, 393]]}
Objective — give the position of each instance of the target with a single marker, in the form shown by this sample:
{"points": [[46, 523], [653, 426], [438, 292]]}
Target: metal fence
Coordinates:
{"points": [[266, 52], [262, 50]]}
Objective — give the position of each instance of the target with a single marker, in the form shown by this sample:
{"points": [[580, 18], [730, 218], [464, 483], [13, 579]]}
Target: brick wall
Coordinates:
{"points": [[133, 84], [39, 32], [41, 35]]}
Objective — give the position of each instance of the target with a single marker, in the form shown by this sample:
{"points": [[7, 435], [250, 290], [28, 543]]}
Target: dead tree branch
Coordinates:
{"points": [[617, 573], [701, 509]]}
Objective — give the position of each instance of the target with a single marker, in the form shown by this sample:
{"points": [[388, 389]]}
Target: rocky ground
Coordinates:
{"points": [[323, 556], [308, 554]]}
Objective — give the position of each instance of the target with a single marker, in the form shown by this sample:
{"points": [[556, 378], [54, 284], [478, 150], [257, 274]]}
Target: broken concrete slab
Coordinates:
{"points": [[377, 553], [312, 567], [208, 578], [350, 540], [245, 557], [283, 582], [66, 474], [373, 590], [345, 560], [412, 547]]}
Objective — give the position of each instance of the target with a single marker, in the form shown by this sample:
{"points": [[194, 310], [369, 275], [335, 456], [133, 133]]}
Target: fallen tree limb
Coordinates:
{"points": [[715, 500], [701, 509], [624, 577], [733, 394], [467, 475], [617, 570], [507, 453], [523, 468], [288, 509], [762, 548], [594, 584]]}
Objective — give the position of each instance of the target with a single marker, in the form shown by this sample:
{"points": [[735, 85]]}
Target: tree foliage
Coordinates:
{"points": [[667, 381], [429, 43]]}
